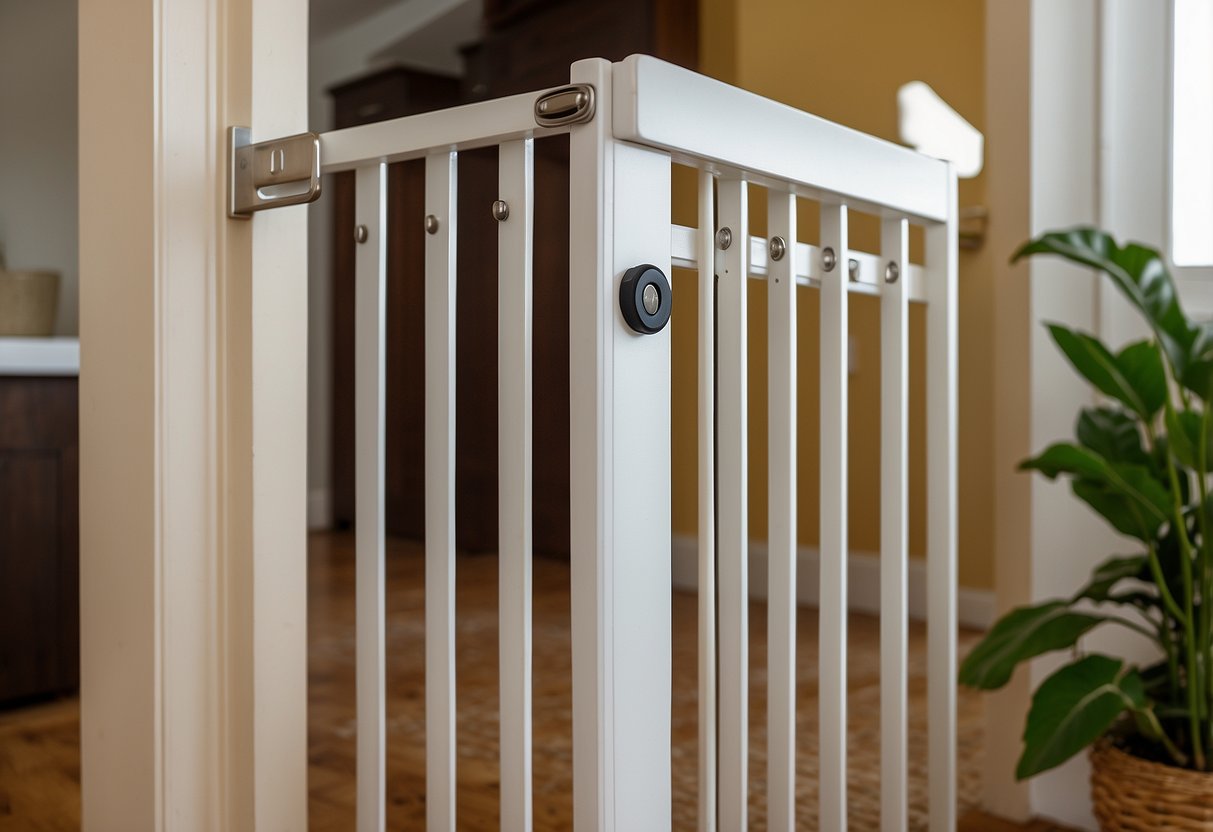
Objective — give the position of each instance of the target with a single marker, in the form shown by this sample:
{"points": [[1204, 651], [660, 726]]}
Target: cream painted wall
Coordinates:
{"points": [[845, 62], [38, 165], [1007, 160]]}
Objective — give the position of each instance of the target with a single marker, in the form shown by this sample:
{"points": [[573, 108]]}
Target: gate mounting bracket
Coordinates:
{"points": [[272, 173]]}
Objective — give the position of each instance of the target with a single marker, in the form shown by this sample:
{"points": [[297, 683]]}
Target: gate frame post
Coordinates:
{"points": [[620, 483]]}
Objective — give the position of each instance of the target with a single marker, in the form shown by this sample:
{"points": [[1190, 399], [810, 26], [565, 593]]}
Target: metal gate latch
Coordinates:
{"points": [[272, 173], [567, 105]]}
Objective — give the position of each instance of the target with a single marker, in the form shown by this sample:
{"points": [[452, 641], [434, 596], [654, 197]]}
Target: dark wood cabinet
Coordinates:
{"points": [[39, 538], [391, 93], [526, 45]]}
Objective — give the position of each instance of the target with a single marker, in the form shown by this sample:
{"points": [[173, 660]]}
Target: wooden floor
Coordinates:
{"points": [[39, 756]]}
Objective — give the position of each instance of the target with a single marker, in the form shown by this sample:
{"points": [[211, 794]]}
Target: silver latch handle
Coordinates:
{"points": [[273, 173], [567, 105]]}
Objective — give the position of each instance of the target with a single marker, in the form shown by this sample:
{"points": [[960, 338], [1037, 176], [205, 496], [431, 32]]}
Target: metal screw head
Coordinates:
{"points": [[778, 247], [853, 268], [724, 238], [651, 297], [828, 259], [891, 272], [431, 224], [360, 234], [501, 210]]}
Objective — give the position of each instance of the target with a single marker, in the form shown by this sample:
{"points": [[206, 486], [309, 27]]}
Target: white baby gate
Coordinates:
{"points": [[627, 123]]}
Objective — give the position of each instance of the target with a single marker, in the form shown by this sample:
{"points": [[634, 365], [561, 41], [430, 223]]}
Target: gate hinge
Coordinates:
{"points": [[272, 173], [567, 105]]}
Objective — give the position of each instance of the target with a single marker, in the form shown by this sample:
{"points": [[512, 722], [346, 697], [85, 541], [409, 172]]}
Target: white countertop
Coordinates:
{"points": [[39, 356]]}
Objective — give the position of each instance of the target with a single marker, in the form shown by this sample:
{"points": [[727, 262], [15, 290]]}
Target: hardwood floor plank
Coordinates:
{"points": [[39, 752]]}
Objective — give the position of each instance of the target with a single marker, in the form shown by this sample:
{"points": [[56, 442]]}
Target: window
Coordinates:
{"points": [[1191, 191]]}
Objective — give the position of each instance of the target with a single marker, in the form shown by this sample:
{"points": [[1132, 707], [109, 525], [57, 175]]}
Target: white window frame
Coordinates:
{"points": [[1195, 283]]}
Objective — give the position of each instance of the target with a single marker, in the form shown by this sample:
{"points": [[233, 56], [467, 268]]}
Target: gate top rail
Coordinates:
{"points": [[661, 105], [481, 124]]}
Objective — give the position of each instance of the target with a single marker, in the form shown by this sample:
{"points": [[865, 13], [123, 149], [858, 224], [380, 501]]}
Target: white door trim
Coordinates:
{"points": [[192, 425]]}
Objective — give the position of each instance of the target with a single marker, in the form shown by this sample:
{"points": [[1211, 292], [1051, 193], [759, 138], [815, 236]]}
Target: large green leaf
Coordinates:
{"points": [[1198, 377], [1134, 482], [1140, 273], [1021, 634], [1183, 430], [1141, 364], [1135, 378], [1121, 512], [1113, 434], [1074, 707], [1110, 573]]}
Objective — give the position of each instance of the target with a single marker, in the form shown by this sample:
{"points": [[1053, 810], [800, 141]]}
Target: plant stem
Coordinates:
{"points": [[1168, 599], [1168, 642], [1177, 756], [1206, 648], [1193, 674]]}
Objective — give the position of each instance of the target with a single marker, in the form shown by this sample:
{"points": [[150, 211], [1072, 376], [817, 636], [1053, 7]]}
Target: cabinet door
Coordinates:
{"points": [[39, 538], [32, 606]]}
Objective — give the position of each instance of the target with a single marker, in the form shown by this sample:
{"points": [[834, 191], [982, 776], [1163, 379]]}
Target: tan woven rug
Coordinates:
{"points": [[332, 714], [39, 746]]}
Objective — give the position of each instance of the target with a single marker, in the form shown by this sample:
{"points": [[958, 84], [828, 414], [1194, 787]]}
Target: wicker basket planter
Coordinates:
{"points": [[1135, 795]]}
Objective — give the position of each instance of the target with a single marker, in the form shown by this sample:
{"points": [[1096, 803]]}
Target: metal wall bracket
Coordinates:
{"points": [[567, 105], [271, 174]]}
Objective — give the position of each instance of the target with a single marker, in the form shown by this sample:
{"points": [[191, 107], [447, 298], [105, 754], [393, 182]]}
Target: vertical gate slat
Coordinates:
{"points": [[732, 520], [893, 537], [514, 379], [832, 627], [781, 559], [370, 282], [707, 504], [440, 203], [941, 523]]}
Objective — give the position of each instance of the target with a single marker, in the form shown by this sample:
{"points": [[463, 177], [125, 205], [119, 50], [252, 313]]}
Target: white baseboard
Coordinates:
{"points": [[975, 607], [319, 509]]}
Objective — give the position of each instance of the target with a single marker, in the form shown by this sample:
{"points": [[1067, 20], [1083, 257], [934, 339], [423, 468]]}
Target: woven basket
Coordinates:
{"points": [[1136, 795]]}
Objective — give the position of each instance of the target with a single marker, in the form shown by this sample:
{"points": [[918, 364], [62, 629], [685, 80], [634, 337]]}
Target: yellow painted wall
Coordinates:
{"points": [[845, 62]]}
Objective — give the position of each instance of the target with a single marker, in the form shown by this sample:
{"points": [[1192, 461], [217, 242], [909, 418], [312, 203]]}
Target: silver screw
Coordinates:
{"points": [[431, 224], [778, 247], [828, 259], [501, 210], [891, 272], [651, 298], [724, 238], [853, 268], [360, 234]]}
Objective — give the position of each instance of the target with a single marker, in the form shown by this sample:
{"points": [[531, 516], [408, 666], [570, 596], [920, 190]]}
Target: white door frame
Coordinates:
{"points": [[1077, 135], [192, 422]]}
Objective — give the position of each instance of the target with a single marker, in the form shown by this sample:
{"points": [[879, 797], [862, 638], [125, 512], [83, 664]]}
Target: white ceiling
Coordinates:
{"points": [[435, 46], [328, 16], [421, 34]]}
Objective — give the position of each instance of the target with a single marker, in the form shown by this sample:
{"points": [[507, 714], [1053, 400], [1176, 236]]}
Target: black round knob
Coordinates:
{"points": [[645, 299]]}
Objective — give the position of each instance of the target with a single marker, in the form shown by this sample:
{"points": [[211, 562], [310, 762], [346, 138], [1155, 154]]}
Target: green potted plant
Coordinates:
{"points": [[1142, 460]]}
